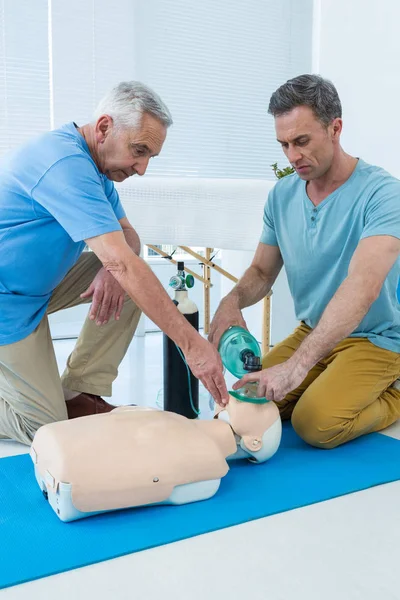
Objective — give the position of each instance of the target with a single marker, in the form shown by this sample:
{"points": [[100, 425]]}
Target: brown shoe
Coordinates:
{"points": [[87, 404]]}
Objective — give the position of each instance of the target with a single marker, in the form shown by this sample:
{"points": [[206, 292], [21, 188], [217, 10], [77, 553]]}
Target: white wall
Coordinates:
{"points": [[359, 50]]}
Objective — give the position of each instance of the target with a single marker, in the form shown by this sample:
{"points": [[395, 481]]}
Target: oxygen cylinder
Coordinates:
{"points": [[181, 392]]}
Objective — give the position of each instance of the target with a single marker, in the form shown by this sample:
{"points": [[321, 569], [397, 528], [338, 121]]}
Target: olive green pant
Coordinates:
{"points": [[346, 395], [31, 391]]}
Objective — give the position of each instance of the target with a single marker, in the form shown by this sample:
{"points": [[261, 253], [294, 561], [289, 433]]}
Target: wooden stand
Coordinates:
{"points": [[206, 287], [208, 265], [266, 324], [165, 255]]}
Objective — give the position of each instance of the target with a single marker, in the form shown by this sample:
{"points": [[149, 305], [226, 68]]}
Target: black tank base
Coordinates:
{"points": [[176, 385]]}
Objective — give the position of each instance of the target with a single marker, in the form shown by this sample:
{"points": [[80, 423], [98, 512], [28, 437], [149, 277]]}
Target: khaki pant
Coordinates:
{"points": [[31, 391], [347, 394]]}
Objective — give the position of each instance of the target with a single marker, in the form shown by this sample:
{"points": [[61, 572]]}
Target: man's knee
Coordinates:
{"points": [[19, 428], [22, 427], [30, 426], [26, 430], [317, 428]]}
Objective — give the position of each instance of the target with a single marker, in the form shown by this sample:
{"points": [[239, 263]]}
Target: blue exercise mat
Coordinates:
{"points": [[35, 544]]}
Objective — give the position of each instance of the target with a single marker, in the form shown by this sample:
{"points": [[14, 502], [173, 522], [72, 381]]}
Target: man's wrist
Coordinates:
{"points": [[188, 337], [231, 301], [302, 360]]}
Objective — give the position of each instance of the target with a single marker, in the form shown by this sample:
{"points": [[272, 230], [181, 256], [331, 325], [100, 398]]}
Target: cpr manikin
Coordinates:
{"points": [[136, 456]]}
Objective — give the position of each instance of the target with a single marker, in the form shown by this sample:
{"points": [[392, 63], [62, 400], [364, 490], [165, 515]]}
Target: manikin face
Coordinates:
{"points": [[308, 145], [121, 153]]}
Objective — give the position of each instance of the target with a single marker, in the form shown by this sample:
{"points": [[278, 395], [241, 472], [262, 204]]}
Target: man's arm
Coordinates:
{"points": [[368, 269], [140, 283], [253, 286], [258, 279], [132, 238]]}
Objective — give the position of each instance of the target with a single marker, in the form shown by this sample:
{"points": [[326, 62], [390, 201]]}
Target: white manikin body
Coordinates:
{"points": [[137, 456]]}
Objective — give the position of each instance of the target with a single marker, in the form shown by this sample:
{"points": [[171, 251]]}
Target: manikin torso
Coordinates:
{"points": [[135, 456]]}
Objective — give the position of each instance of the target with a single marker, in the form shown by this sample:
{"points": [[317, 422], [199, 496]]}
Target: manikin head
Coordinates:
{"points": [[308, 124], [257, 428], [130, 127]]}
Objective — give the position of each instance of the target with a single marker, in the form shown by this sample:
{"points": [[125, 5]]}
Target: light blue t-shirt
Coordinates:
{"points": [[318, 242], [52, 197]]}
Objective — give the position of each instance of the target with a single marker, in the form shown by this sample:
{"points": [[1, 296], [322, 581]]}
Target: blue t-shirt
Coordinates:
{"points": [[318, 242], [52, 197]]}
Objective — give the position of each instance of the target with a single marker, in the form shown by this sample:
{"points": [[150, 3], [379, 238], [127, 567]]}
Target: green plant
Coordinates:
{"points": [[279, 173]]}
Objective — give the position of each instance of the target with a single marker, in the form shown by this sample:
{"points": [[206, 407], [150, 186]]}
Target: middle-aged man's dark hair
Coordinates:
{"points": [[307, 90]]}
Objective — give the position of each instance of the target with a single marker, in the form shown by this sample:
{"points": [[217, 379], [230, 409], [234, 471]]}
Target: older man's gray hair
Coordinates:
{"points": [[307, 90], [127, 102]]}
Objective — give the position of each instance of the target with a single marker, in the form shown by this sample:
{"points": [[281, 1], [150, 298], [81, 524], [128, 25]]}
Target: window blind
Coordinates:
{"points": [[215, 64], [92, 50], [24, 71]]}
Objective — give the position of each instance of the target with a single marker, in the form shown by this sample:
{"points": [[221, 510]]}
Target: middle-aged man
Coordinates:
{"points": [[56, 194], [335, 225]]}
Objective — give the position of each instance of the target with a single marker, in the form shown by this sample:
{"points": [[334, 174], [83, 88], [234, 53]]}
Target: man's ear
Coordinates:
{"points": [[103, 128], [337, 125]]}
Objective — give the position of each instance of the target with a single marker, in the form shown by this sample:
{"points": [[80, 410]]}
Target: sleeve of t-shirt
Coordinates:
{"points": [[113, 197], [71, 191], [382, 212], [268, 235]]}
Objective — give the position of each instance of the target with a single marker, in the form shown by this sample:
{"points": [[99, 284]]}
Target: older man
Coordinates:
{"points": [[56, 194], [335, 225]]}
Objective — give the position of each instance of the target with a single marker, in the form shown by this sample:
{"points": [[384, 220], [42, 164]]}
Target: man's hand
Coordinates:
{"points": [[205, 364], [226, 316], [108, 297], [276, 382]]}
